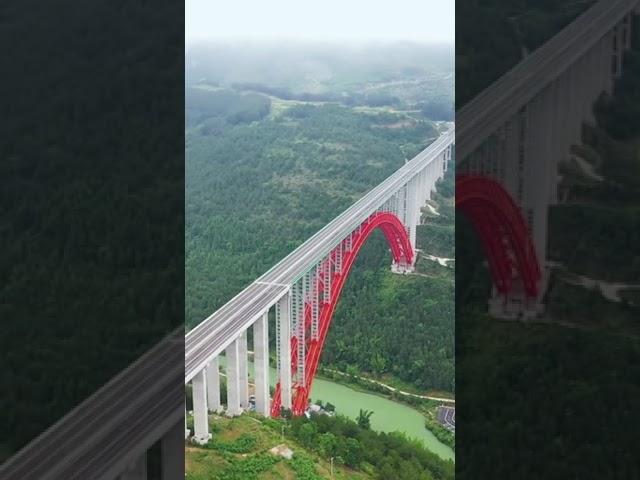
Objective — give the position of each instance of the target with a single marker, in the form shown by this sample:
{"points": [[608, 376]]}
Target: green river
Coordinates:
{"points": [[388, 416]]}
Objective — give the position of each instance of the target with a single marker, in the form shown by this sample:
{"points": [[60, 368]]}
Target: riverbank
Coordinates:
{"points": [[392, 411], [426, 405], [385, 386]]}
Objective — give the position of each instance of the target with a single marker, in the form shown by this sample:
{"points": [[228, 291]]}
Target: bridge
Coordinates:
{"points": [[303, 290], [108, 435], [512, 136], [543, 98]]}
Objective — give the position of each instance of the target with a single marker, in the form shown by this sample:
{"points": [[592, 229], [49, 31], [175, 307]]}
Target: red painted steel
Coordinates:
{"points": [[402, 253], [502, 230]]}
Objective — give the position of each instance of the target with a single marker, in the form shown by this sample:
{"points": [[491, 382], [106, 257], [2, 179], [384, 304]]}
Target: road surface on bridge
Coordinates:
{"points": [[483, 115]]}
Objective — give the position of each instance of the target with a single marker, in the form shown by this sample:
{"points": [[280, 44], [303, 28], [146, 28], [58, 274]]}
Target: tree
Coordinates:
{"points": [[352, 454], [328, 444], [307, 434], [364, 419]]}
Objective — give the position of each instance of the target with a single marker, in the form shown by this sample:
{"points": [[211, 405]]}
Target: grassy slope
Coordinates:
{"points": [[209, 464]]}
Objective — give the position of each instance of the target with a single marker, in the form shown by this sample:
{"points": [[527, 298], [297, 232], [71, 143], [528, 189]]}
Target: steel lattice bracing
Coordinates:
{"points": [[330, 279]]}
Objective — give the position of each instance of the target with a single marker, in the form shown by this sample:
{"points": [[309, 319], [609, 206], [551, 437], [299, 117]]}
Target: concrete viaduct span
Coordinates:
{"points": [[512, 136], [303, 290]]}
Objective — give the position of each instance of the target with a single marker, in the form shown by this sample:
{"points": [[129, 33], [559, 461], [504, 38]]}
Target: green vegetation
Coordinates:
{"points": [[91, 188], [493, 35], [618, 114], [560, 389], [531, 392], [357, 453], [363, 419], [442, 434], [257, 190], [597, 233], [597, 240], [209, 106]]}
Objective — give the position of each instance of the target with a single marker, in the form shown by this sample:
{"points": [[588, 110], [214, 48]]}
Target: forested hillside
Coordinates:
{"points": [[560, 389], [257, 189], [493, 35], [91, 180]]}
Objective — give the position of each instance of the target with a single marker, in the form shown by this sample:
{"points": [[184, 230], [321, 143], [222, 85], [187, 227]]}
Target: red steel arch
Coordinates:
{"points": [[402, 252], [502, 230]]}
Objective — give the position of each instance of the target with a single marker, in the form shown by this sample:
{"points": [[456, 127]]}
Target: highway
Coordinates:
{"points": [[216, 332], [114, 426], [490, 109]]}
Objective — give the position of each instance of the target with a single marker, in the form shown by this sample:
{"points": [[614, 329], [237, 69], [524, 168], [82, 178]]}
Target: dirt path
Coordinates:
{"points": [[392, 389]]}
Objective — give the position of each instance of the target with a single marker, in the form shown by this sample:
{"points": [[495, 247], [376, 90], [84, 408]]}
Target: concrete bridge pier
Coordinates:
{"points": [[213, 385], [187, 432], [201, 433], [244, 370], [172, 451], [233, 379], [412, 217], [261, 362], [283, 318], [540, 136]]}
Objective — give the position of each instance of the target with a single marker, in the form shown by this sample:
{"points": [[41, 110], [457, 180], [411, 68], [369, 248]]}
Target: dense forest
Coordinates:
{"points": [[240, 450], [257, 189], [493, 35], [204, 105], [91, 182], [554, 399]]}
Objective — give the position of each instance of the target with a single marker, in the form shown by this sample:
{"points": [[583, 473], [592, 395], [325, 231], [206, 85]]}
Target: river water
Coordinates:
{"points": [[388, 416]]}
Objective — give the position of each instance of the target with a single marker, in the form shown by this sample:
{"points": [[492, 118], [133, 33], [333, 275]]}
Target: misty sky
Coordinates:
{"points": [[430, 21]]}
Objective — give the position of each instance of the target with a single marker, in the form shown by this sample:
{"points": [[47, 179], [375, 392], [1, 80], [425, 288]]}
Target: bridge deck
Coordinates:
{"points": [[114, 426], [502, 99], [215, 333]]}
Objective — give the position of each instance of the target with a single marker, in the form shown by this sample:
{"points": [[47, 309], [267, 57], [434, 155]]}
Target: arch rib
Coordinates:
{"points": [[502, 229], [401, 251]]}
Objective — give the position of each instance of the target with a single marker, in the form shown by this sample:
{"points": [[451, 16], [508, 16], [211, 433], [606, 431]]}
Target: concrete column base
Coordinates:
{"points": [[201, 439], [515, 308], [402, 268], [236, 413], [172, 448]]}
